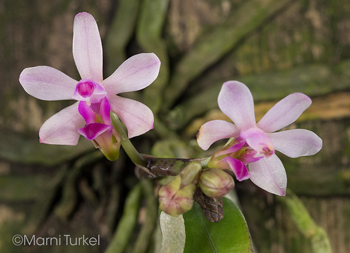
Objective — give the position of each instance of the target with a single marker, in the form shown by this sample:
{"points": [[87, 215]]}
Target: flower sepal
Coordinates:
{"points": [[103, 137], [109, 144]]}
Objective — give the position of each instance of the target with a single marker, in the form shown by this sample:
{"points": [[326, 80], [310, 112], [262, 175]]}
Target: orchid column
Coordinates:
{"points": [[96, 97]]}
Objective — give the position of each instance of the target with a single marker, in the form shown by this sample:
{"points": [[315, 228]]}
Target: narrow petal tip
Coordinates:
{"points": [[155, 58], [83, 15], [283, 193]]}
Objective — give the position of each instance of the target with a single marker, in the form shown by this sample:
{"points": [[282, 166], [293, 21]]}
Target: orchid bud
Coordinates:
{"points": [[176, 197], [215, 183], [191, 173], [170, 189], [175, 201]]}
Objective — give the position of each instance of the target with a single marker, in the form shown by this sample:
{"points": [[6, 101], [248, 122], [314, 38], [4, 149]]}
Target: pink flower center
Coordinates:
{"points": [[86, 88], [89, 91], [259, 141]]}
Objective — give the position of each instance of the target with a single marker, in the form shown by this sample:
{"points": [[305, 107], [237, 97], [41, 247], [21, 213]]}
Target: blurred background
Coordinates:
{"points": [[275, 47]]}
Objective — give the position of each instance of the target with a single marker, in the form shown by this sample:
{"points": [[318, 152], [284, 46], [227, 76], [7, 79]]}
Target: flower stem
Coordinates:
{"points": [[127, 222], [129, 149], [160, 167], [157, 166]]}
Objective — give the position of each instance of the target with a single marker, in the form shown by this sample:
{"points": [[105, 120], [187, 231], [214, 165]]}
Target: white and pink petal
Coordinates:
{"points": [[236, 101], [62, 127], [230, 150], [87, 47], [47, 83], [270, 175], [137, 117], [297, 142], [285, 112], [136, 73], [215, 130]]}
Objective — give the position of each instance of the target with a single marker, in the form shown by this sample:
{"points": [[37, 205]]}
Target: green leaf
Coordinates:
{"points": [[173, 233], [231, 234]]}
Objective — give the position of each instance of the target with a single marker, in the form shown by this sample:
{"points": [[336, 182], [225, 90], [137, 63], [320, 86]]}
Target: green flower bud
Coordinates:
{"points": [[215, 183], [170, 189], [176, 197], [176, 202], [191, 173]]}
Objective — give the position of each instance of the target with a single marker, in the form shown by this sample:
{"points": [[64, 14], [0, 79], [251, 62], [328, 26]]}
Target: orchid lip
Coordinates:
{"points": [[91, 131]]}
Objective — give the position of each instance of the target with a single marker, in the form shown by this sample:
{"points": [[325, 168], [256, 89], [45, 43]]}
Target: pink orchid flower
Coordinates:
{"points": [[47, 83], [258, 140]]}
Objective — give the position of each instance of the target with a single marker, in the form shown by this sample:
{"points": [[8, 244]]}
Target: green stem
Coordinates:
{"points": [[127, 223], [129, 149], [204, 161], [157, 166], [307, 226], [144, 237], [169, 166]]}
